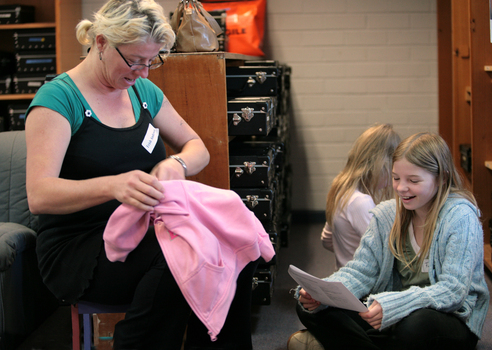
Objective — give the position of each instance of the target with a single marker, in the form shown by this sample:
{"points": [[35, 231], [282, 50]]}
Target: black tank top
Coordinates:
{"points": [[68, 245]]}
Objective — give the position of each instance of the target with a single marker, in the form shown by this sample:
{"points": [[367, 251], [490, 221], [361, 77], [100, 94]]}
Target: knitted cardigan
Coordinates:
{"points": [[456, 269]]}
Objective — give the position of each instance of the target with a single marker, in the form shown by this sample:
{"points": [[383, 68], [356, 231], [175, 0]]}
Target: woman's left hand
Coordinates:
{"points": [[374, 316], [168, 169]]}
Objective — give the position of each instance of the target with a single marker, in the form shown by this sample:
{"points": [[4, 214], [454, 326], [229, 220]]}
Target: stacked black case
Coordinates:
{"points": [[35, 58], [12, 14], [259, 165], [16, 14], [7, 70], [17, 116]]}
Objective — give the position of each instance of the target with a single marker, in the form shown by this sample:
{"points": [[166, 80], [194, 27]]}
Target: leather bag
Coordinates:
{"points": [[196, 30]]}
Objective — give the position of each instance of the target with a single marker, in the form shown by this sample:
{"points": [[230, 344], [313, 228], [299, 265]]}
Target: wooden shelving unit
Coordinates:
{"points": [[63, 15], [195, 84], [488, 256], [14, 97], [465, 87], [27, 26]]}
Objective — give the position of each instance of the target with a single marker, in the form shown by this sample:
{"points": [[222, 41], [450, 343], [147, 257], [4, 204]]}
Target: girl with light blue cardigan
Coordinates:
{"points": [[420, 264]]}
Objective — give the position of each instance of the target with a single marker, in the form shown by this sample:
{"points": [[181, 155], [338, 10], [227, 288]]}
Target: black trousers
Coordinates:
{"points": [[159, 315], [423, 329]]}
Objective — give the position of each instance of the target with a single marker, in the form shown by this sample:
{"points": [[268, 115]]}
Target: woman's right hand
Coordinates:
{"points": [[137, 188], [307, 301]]}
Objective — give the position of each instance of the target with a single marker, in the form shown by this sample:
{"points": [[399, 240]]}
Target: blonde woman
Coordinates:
{"points": [[363, 183], [95, 139], [420, 262]]}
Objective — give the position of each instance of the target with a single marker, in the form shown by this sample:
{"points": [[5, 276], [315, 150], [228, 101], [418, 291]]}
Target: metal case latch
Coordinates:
{"points": [[236, 119], [238, 171], [261, 77], [254, 283], [251, 201], [248, 113], [249, 167]]}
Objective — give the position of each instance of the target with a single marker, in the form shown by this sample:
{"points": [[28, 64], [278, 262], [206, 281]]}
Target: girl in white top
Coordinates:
{"points": [[363, 183]]}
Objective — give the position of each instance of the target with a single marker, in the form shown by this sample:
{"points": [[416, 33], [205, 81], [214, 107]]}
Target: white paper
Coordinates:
{"points": [[328, 293]]}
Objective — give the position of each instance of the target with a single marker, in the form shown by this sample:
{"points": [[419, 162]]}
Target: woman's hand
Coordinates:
{"points": [[307, 302], [374, 316], [137, 188], [168, 169]]}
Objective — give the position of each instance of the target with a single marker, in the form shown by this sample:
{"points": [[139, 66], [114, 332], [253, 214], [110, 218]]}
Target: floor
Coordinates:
{"points": [[272, 324]]}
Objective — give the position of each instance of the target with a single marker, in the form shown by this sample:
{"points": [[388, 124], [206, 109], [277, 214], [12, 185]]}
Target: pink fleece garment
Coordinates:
{"points": [[207, 236]]}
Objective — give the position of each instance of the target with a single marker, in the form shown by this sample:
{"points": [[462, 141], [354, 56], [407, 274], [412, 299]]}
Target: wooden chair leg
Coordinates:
{"points": [[75, 328], [87, 310], [87, 331]]}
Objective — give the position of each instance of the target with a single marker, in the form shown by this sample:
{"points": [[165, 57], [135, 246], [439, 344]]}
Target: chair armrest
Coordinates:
{"points": [[14, 239]]}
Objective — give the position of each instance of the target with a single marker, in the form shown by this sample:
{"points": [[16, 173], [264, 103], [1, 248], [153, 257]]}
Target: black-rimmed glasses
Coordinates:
{"points": [[156, 63]]}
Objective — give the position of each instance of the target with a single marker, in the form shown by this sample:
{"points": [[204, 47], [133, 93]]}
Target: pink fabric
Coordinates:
{"points": [[207, 236]]}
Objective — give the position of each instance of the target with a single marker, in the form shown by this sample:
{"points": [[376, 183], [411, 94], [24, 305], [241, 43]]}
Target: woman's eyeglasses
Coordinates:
{"points": [[156, 63]]}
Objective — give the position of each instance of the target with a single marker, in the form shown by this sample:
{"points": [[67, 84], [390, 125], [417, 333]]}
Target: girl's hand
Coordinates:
{"points": [[307, 302], [137, 188], [374, 316]]}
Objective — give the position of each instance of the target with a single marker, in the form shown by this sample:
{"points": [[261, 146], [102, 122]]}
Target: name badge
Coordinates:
{"points": [[150, 139], [425, 266]]}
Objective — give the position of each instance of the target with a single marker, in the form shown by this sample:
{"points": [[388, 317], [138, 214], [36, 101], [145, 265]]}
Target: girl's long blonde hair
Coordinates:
{"points": [[431, 153], [368, 165], [128, 22]]}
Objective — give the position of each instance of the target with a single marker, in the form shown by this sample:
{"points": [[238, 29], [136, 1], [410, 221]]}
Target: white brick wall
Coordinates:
{"points": [[354, 63]]}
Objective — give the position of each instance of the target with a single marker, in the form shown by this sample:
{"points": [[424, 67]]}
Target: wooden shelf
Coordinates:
{"points": [[487, 251], [16, 97], [182, 79], [61, 16], [219, 54], [27, 26], [464, 51]]}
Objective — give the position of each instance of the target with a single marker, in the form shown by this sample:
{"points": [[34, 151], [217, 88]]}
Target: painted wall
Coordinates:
{"points": [[354, 63]]}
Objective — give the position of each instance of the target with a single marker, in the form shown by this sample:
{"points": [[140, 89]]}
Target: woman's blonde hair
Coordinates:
{"points": [[128, 22], [431, 153], [368, 165]]}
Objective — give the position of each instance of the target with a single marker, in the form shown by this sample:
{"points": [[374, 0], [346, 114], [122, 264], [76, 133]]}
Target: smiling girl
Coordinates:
{"points": [[420, 263]]}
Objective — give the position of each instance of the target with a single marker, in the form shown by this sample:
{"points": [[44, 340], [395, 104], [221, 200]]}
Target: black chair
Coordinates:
{"points": [[25, 302]]}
